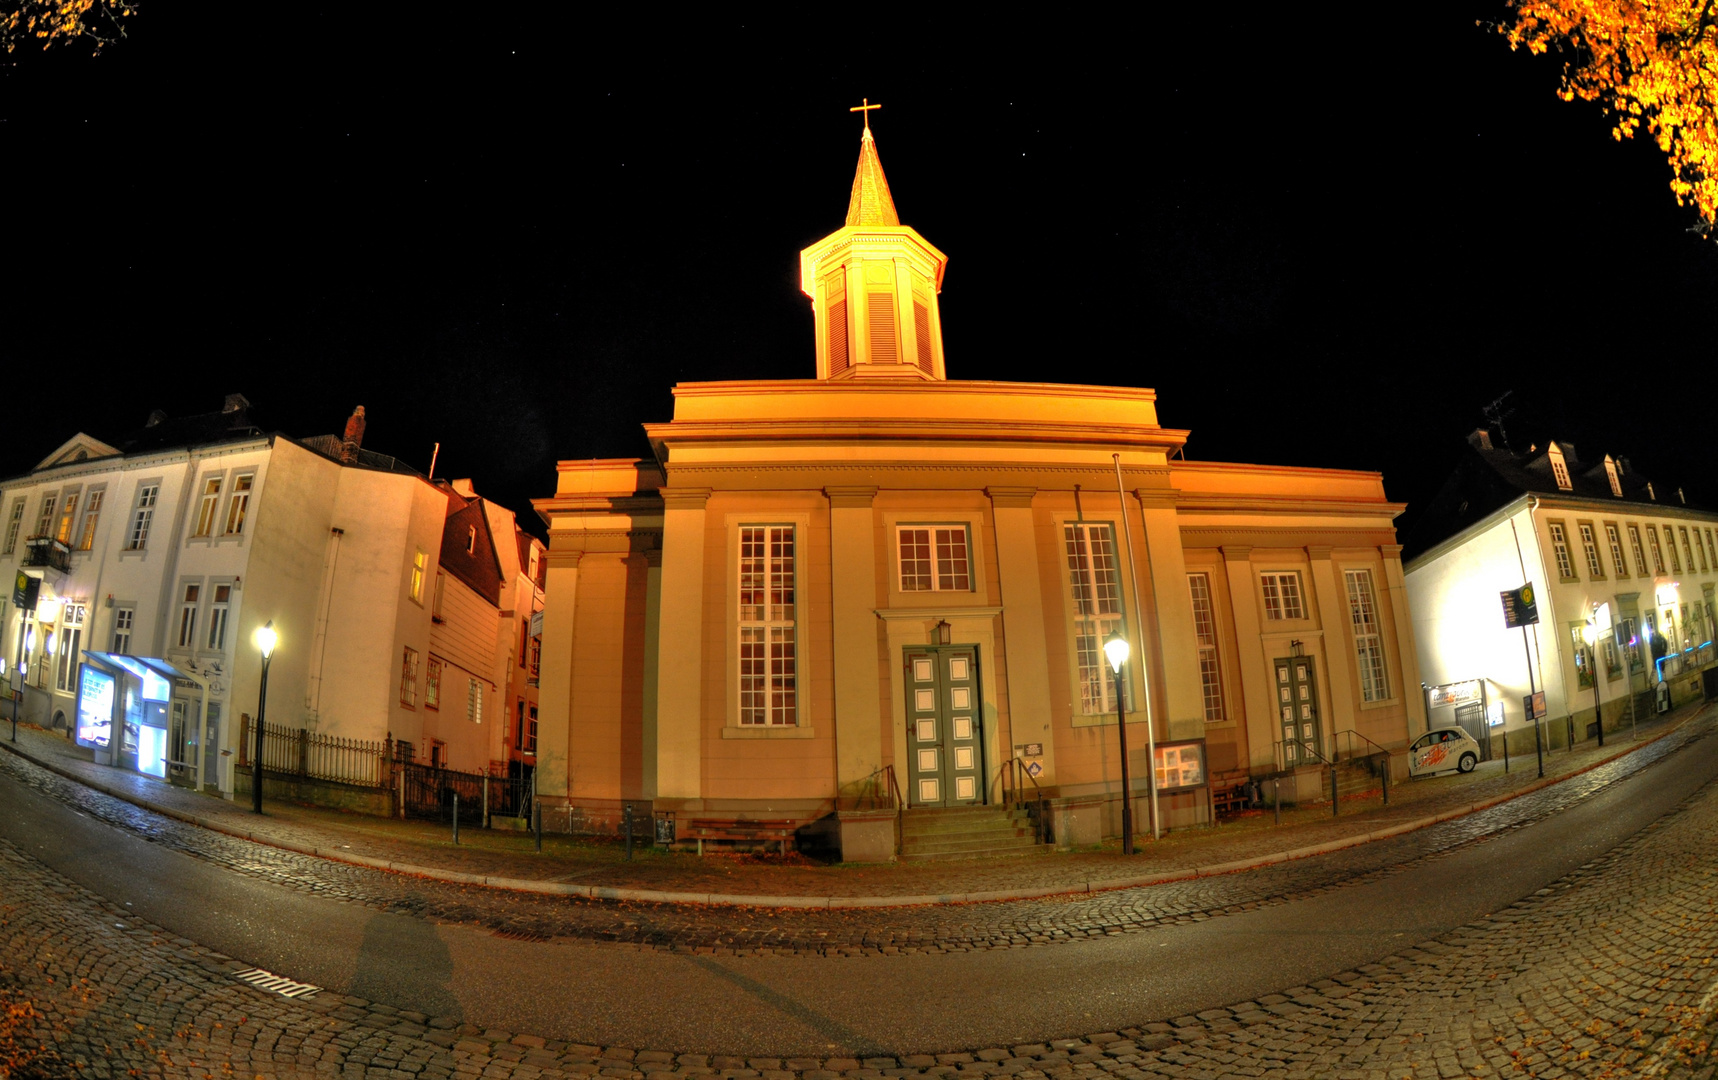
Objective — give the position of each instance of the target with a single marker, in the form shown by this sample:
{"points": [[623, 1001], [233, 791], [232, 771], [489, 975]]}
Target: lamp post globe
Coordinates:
{"points": [[1116, 649], [266, 639]]}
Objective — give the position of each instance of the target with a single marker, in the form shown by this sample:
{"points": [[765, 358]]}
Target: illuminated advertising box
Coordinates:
{"points": [[95, 706]]}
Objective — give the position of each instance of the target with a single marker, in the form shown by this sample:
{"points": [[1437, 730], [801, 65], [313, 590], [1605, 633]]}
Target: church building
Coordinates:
{"points": [[882, 587]]}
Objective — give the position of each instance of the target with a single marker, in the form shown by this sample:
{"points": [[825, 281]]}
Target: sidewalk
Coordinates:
{"points": [[596, 868]]}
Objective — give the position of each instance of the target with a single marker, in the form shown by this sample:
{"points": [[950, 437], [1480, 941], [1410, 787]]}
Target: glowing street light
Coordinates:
{"points": [[1116, 648], [265, 639]]}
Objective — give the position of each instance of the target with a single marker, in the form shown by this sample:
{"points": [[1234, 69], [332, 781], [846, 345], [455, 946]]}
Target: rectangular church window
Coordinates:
{"points": [[768, 661]]}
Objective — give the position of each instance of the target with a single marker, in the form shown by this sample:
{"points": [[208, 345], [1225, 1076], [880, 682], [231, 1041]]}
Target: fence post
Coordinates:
{"points": [[1333, 795], [626, 813], [536, 817], [456, 817], [486, 800], [303, 752], [400, 786], [1277, 798]]}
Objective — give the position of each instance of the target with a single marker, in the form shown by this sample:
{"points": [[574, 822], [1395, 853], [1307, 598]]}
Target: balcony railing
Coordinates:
{"points": [[48, 552]]}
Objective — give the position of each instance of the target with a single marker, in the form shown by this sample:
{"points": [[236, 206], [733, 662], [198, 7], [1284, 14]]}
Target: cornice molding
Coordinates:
{"points": [[856, 496], [1011, 498], [684, 498]]}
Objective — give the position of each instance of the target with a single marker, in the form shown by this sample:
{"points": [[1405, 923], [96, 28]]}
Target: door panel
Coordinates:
{"points": [[1297, 710], [945, 751]]}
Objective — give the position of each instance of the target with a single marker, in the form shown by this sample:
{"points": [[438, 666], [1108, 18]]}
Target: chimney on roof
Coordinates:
{"points": [[1649, 493], [234, 403], [1681, 497], [465, 488], [1480, 439], [155, 417], [354, 437], [1622, 465]]}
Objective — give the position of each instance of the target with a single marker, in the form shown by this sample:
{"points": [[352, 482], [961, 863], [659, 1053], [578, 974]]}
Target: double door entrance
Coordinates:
{"points": [[945, 738], [1297, 708]]}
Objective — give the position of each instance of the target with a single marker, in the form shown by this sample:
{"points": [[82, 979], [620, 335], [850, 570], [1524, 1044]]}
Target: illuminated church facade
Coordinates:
{"points": [[881, 585]]}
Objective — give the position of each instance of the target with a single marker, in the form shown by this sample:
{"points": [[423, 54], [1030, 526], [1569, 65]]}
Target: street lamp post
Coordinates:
{"points": [[265, 640], [1116, 648]]}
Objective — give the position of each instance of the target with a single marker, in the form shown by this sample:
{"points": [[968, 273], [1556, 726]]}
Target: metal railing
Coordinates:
{"points": [[48, 552], [1012, 779], [1350, 747], [428, 791], [879, 791], [296, 752], [1292, 753]]}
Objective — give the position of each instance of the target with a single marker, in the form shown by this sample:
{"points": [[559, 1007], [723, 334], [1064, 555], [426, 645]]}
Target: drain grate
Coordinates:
{"points": [[278, 984], [521, 935]]}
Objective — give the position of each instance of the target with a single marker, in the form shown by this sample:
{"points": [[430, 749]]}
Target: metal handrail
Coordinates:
{"points": [[1304, 751], [881, 790], [1376, 748]]}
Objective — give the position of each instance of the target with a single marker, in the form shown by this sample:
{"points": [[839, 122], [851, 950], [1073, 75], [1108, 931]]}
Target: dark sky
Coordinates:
{"points": [[1322, 244]]}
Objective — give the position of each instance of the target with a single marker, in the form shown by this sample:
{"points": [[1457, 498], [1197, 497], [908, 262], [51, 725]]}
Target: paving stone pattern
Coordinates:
{"points": [[1607, 973], [922, 929]]}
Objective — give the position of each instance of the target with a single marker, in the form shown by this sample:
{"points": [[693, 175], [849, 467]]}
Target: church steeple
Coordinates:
{"points": [[873, 285]]}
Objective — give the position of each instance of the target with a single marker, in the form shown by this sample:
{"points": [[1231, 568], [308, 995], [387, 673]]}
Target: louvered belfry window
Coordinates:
{"points": [[880, 312], [922, 332], [838, 336]]}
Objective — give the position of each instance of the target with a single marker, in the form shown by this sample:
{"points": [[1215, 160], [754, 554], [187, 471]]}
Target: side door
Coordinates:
{"points": [[1297, 710], [945, 751]]}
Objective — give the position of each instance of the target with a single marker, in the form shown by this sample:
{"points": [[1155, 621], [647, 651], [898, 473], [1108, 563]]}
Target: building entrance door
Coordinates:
{"points": [[945, 741], [1297, 709], [1471, 719]]}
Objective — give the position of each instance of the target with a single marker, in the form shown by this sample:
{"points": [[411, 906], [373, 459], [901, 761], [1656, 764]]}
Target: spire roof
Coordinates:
{"points": [[870, 203]]}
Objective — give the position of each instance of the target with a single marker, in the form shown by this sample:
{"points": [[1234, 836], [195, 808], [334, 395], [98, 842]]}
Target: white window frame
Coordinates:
{"points": [[1368, 633], [1277, 599], [1205, 636], [209, 508], [190, 599], [68, 516], [767, 672], [1097, 607], [415, 581], [1657, 551], [474, 701], [1560, 469], [433, 669], [1590, 546], [409, 678], [216, 637], [72, 619], [1687, 548], [1611, 474], [1639, 551], [124, 619], [1560, 547], [940, 562], [1670, 542], [1615, 539], [142, 515], [239, 504], [45, 516], [14, 524]]}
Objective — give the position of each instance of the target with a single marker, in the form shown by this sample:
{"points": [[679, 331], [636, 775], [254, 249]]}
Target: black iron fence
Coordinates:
{"points": [[295, 752], [428, 791]]}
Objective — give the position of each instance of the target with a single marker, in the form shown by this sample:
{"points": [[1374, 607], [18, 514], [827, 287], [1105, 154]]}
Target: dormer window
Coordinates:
{"points": [[1611, 473], [471, 539], [1560, 468]]}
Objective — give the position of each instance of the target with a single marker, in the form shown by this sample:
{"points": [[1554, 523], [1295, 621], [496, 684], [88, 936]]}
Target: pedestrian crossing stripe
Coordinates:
{"points": [[268, 980]]}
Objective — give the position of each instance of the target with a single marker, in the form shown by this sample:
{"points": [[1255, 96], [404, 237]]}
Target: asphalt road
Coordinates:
{"points": [[822, 1006]]}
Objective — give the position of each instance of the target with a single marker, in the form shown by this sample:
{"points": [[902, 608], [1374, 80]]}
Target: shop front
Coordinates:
{"points": [[127, 716]]}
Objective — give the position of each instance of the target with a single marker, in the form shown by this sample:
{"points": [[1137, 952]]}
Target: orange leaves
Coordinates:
{"points": [[48, 21], [1651, 62]]}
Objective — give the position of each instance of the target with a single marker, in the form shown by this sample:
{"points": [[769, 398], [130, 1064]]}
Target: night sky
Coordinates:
{"points": [[1321, 244]]}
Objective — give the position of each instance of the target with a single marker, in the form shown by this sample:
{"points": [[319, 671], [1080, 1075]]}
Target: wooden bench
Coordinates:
{"points": [[702, 829], [1230, 800]]}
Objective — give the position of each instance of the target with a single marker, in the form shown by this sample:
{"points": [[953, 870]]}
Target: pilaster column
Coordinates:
{"points": [[1258, 697], [1177, 642], [853, 577], [680, 683], [555, 692], [1333, 617], [1025, 644], [1407, 651]]}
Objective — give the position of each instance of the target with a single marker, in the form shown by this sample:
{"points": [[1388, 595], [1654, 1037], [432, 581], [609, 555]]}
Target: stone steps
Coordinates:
{"points": [[967, 833]]}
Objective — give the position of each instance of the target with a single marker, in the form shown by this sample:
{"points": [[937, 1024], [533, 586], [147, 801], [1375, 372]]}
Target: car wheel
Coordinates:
{"points": [[1468, 761]]}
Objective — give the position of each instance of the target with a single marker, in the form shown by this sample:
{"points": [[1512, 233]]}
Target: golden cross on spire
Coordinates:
{"points": [[865, 111]]}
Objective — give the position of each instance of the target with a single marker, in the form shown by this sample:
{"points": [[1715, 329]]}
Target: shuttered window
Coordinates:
{"points": [[838, 336], [922, 334], [880, 312]]}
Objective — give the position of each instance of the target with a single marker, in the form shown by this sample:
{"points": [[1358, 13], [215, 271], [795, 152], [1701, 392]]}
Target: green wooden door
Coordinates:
{"points": [[1297, 710], [945, 744]]}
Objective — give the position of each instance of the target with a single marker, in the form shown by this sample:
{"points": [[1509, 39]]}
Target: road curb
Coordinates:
{"points": [[654, 896]]}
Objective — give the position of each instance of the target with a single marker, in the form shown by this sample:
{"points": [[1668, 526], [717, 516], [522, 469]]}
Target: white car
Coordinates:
{"points": [[1441, 749]]}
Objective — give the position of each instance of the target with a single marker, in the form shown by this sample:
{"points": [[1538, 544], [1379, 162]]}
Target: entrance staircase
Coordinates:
{"points": [[1353, 778], [967, 832]]}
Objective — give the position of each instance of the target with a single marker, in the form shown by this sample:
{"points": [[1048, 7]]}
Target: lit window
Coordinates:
{"points": [[768, 682], [1560, 469], [1205, 631], [471, 539], [1611, 474], [68, 516], [934, 559], [416, 589], [188, 616], [1560, 545], [1368, 640], [409, 677], [46, 520], [1096, 584], [141, 516], [239, 504], [1282, 595], [209, 507], [92, 515]]}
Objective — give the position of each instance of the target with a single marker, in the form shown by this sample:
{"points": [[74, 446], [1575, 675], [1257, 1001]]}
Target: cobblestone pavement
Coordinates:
{"points": [[580, 863], [1608, 972], [762, 931]]}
